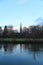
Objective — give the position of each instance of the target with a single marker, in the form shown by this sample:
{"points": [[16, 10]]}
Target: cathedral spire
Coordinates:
{"points": [[20, 27]]}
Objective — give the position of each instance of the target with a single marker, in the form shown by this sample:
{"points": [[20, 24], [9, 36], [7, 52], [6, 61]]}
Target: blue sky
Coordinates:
{"points": [[12, 12]]}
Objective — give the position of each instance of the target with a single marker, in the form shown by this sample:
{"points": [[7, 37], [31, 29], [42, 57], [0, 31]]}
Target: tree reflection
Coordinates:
{"points": [[21, 48], [9, 47], [0, 46], [34, 48], [5, 47]]}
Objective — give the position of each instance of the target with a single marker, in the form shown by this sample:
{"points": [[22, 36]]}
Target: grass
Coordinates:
{"points": [[21, 39]]}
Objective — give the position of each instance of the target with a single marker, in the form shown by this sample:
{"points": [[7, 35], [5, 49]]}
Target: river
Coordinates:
{"points": [[21, 54]]}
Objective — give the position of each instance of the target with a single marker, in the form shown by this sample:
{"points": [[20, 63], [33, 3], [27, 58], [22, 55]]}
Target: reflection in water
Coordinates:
{"points": [[7, 47], [24, 51], [0, 46], [21, 48], [34, 48], [29, 47]]}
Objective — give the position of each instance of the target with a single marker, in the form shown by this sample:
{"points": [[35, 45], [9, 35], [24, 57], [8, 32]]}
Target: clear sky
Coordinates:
{"points": [[12, 12]]}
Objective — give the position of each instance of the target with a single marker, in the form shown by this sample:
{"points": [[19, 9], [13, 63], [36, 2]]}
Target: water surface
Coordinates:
{"points": [[21, 54]]}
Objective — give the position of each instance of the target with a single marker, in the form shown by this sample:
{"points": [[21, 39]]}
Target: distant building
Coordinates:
{"points": [[15, 31], [10, 28], [20, 27]]}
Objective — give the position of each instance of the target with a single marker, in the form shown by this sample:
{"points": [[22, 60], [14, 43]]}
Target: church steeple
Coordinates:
{"points": [[20, 27]]}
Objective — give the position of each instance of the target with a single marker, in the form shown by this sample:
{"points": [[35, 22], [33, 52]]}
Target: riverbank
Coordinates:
{"points": [[20, 40]]}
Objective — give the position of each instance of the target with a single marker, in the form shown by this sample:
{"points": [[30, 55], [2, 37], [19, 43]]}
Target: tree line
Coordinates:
{"points": [[30, 32]]}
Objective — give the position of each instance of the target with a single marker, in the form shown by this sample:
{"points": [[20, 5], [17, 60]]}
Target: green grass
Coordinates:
{"points": [[20, 39]]}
